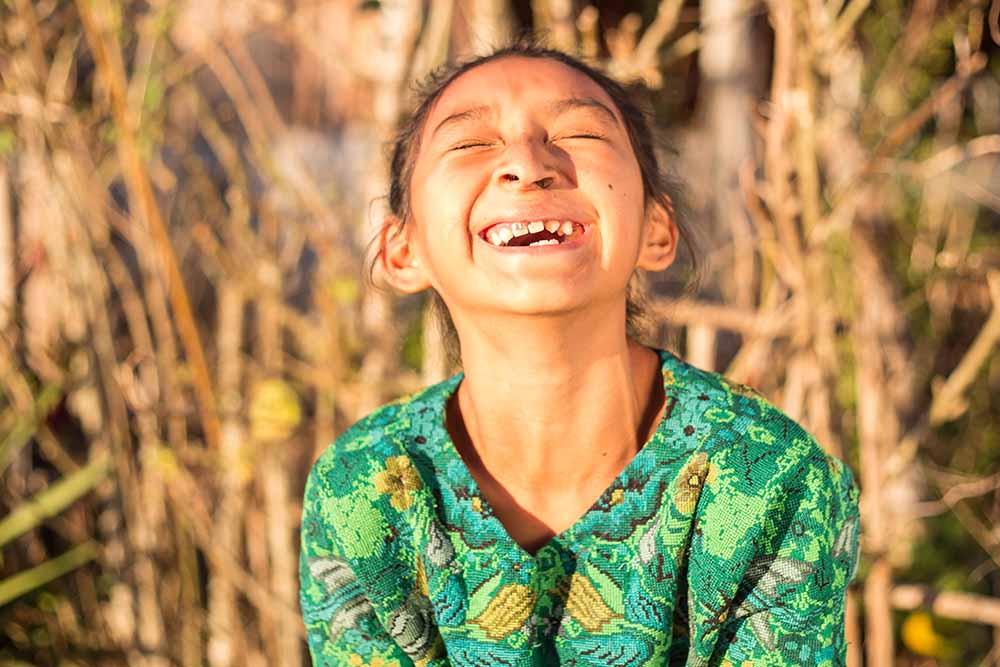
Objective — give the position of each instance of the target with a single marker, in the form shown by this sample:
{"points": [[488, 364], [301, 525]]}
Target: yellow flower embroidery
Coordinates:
{"points": [[696, 473], [668, 378], [355, 660], [399, 480], [507, 611], [585, 604], [477, 504], [616, 496]]}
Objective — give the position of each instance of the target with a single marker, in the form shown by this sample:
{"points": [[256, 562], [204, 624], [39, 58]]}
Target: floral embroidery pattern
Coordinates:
{"points": [[585, 605], [507, 611], [728, 540], [398, 480], [694, 476], [357, 661]]}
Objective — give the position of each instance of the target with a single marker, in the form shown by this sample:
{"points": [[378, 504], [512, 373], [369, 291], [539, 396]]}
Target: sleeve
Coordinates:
{"points": [[782, 602], [342, 628]]}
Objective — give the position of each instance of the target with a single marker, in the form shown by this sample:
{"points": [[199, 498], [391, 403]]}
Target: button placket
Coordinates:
{"points": [[550, 568]]}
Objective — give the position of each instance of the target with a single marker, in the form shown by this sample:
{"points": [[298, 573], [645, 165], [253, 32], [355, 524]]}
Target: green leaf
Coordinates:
{"points": [[36, 577], [53, 500], [482, 595], [26, 425]]}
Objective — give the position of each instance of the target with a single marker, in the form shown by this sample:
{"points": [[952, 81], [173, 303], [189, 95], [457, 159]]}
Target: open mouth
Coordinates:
{"points": [[536, 233]]}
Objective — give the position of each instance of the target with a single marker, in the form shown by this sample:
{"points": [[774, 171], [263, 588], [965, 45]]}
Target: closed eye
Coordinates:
{"points": [[582, 135], [478, 144], [471, 144]]}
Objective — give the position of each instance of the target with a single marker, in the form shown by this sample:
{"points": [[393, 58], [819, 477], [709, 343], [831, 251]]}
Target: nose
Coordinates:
{"points": [[527, 165]]}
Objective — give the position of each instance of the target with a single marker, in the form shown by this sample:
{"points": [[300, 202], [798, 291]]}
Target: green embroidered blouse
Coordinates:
{"points": [[728, 540]]}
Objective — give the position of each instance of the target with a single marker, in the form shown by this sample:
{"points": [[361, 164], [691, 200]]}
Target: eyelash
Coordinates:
{"points": [[572, 136]]}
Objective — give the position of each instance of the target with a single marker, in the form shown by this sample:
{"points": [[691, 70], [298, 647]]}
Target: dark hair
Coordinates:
{"points": [[658, 185]]}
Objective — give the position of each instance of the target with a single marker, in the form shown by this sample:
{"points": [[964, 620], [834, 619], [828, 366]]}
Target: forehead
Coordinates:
{"points": [[514, 81]]}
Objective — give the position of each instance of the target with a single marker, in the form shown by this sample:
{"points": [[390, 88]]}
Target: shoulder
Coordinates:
{"points": [[339, 466], [775, 523], [360, 485], [386, 433], [768, 484], [756, 447], [360, 495]]}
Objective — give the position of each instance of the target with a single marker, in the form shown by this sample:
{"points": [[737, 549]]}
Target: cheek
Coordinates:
{"points": [[618, 176], [441, 237], [617, 188], [444, 190], [627, 191], [619, 195], [435, 209]]}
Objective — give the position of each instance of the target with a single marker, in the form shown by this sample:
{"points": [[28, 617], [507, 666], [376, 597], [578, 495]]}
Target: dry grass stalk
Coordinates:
{"points": [[109, 62], [878, 430], [7, 252], [948, 403], [223, 614], [948, 604]]}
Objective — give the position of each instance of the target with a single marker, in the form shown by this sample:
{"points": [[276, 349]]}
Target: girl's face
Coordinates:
{"points": [[515, 141]]}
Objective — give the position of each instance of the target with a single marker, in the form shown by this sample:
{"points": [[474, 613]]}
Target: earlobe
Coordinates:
{"points": [[659, 239], [398, 258]]}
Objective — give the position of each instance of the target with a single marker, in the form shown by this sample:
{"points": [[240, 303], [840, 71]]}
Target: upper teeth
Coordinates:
{"points": [[502, 233]]}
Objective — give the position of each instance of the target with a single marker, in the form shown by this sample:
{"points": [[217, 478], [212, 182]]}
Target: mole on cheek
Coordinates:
{"points": [[609, 187]]}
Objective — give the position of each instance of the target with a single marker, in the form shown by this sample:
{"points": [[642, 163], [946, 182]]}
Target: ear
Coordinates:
{"points": [[397, 257], [659, 238]]}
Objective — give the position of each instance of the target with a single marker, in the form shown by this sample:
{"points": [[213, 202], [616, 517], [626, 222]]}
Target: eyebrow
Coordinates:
{"points": [[475, 113], [572, 103], [556, 108]]}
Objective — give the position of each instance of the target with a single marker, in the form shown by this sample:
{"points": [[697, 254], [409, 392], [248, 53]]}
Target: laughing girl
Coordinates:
{"points": [[572, 497]]}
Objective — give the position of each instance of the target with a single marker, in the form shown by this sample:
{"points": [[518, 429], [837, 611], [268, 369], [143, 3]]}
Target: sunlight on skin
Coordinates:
{"points": [[554, 394]]}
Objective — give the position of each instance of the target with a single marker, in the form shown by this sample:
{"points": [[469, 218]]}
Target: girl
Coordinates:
{"points": [[572, 497]]}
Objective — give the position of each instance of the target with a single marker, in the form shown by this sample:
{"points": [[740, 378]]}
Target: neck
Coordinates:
{"points": [[555, 407]]}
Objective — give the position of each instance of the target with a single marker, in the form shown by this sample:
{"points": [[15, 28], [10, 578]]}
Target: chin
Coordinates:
{"points": [[548, 303]]}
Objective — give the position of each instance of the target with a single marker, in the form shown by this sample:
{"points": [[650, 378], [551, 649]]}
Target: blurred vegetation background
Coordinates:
{"points": [[187, 193]]}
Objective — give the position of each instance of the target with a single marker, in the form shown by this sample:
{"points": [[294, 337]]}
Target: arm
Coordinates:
{"points": [[784, 603], [341, 625]]}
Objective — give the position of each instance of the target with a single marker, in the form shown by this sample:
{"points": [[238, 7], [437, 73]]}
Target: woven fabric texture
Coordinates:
{"points": [[728, 541]]}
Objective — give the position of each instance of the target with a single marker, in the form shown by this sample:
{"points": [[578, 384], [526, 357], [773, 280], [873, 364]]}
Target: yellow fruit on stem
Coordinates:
{"points": [[275, 410], [920, 636]]}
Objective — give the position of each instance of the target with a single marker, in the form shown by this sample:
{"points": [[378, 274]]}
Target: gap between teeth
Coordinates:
{"points": [[503, 233]]}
